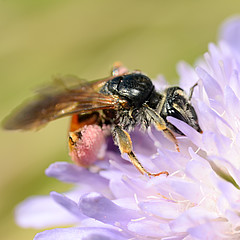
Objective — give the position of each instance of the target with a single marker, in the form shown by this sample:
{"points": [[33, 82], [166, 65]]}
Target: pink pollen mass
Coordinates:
{"points": [[90, 146]]}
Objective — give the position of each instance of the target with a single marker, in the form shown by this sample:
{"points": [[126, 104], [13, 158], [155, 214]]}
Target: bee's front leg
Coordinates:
{"points": [[160, 125], [124, 142]]}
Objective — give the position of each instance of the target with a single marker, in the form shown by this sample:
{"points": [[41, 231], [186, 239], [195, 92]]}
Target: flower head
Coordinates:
{"points": [[200, 199]]}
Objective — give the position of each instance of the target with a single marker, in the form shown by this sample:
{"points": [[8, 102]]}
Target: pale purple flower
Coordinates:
{"points": [[200, 199]]}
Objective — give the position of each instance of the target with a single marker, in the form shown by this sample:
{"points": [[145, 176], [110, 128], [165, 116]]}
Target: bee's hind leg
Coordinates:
{"points": [[124, 142]]}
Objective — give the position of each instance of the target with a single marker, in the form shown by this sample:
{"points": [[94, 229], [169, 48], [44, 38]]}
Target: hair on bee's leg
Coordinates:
{"points": [[169, 135], [160, 125], [124, 142], [191, 91]]}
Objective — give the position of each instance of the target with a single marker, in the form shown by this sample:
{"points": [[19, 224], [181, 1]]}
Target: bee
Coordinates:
{"points": [[111, 106]]}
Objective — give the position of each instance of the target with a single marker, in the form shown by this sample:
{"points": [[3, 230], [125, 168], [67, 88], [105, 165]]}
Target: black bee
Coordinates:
{"points": [[114, 105]]}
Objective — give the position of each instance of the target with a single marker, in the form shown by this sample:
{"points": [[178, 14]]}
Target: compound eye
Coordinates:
{"points": [[173, 112], [178, 105]]}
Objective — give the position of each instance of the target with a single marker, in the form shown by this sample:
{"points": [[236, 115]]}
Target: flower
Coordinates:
{"points": [[200, 199]]}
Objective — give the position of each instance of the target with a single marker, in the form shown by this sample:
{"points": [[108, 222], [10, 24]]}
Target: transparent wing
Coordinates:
{"points": [[56, 103]]}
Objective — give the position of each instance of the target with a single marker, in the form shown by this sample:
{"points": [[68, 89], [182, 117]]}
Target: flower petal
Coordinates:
{"points": [[198, 168], [68, 204], [42, 212], [212, 89], [192, 134], [188, 76], [191, 217], [67, 172], [88, 181], [230, 32], [212, 230], [164, 208], [80, 234], [149, 229], [102, 209], [232, 104]]}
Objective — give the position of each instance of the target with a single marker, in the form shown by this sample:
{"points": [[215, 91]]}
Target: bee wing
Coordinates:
{"points": [[56, 104]]}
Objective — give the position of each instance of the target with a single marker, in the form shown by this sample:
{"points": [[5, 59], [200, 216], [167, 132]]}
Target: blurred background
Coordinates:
{"points": [[42, 39]]}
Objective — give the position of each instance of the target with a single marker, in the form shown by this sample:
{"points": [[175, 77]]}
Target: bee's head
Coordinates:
{"points": [[177, 105]]}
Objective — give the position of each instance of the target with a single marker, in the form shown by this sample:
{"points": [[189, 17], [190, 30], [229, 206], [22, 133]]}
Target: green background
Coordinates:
{"points": [[41, 39]]}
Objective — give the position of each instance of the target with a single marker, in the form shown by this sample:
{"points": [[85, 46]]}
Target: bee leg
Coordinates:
{"points": [[191, 91], [160, 125], [169, 135], [86, 145], [124, 142]]}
